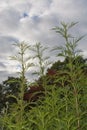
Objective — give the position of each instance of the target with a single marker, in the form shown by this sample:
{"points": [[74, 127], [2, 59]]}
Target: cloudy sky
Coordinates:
{"points": [[31, 21]]}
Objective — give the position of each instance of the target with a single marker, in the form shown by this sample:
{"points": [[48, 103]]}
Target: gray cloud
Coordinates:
{"points": [[2, 65], [4, 75], [6, 45], [9, 21]]}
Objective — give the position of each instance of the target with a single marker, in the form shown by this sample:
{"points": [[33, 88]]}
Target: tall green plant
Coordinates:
{"points": [[74, 71], [42, 62], [14, 118], [24, 62]]}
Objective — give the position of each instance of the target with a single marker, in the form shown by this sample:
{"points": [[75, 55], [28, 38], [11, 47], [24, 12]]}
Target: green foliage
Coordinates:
{"points": [[64, 106]]}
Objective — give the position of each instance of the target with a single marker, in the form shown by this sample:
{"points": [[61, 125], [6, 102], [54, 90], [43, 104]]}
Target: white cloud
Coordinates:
{"points": [[32, 20]]}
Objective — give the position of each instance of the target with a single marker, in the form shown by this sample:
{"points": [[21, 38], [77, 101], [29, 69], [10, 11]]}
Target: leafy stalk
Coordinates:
{"points": [[70, 51]]}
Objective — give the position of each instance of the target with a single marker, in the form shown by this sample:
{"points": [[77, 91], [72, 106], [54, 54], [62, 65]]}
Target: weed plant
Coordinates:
{"points": [[64, 106]]}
